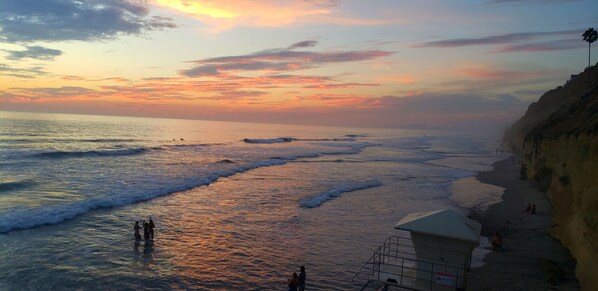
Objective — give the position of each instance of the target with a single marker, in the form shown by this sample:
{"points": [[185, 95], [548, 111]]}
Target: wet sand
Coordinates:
{"points": [[531, 258]]}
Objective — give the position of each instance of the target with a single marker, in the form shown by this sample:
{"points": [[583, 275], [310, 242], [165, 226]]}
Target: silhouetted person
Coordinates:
{"points": [[136, 228], [302, 277], [146, 232], [529, 208], [151, 228], [293, 282], [534, 209], [496, 241], [389, 280]]}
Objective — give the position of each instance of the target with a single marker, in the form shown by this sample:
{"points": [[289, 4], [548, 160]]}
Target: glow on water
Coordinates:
{"points": [[229, 212]]}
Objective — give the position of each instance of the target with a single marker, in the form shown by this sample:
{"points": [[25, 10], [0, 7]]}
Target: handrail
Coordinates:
{"points": [[363, 266], [401, 248], [377, 252]]}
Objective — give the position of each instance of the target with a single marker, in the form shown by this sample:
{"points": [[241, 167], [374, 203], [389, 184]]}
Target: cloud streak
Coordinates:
{"points": [[557, 45], [28, 73], [278, 60], [34, 52], [500, 39]]}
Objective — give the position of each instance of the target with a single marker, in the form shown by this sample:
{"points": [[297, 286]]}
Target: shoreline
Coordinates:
{"points": [[531, 259]]}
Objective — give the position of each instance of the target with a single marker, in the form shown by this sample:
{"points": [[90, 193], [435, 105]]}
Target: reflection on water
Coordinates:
{"points": [[244, 231], [148, 248]]}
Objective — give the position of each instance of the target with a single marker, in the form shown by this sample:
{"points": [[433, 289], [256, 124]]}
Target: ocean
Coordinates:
{"points": [[236, 205]]}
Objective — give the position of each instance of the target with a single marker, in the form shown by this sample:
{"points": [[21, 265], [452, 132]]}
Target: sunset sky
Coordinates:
{"points": [[441, 64]]}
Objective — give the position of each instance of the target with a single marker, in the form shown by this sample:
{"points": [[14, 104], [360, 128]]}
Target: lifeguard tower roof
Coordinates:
{"points": [[442, 223]]}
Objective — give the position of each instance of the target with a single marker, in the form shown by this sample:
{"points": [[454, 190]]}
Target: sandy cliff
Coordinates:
{"points": [[558, 141]]}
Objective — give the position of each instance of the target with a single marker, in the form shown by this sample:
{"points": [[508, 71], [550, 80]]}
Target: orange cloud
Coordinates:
{"points": [[339, 86], [225, 15], [278, 60], [73, 78], [401, 79], [222, 90], [337, 100]]}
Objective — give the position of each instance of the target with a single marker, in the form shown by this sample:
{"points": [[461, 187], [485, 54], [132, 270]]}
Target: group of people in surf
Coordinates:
{"points": [[297, 282], [148, 229], [531, 208]]}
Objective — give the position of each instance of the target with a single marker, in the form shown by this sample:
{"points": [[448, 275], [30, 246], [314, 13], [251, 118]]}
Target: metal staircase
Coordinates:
{"points": [[394, 266]]}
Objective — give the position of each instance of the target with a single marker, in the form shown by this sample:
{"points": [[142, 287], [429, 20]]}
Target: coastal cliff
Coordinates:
{"points": [[557, 140]]}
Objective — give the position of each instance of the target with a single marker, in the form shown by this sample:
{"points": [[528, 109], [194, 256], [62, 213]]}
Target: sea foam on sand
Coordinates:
{"points": [[475, 195]]}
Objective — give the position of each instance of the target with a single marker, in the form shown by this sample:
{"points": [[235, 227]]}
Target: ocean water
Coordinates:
{"points": [[236, 205]]}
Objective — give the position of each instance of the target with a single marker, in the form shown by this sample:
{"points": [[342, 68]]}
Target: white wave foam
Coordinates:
{"points": [[27, 218], [24, 218], [319, 199]]}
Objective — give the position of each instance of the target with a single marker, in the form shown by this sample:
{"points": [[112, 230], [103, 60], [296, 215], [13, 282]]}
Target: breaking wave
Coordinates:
{"points": [[22, 219], [15, 185], [269, 140], [319, 199], [94, 153]]}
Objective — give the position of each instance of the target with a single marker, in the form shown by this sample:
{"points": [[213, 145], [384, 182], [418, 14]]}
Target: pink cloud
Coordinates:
{"points": [[278, 60], [339, 86]]}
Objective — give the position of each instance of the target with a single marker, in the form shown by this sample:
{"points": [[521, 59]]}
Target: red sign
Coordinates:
{"points": [[445, 279]]}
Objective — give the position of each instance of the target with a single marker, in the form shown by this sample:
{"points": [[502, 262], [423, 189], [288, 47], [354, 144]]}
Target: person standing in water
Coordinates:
{"points": [[293, 282], [146, 233], [136, 228], [302, 277], [151, 228]]}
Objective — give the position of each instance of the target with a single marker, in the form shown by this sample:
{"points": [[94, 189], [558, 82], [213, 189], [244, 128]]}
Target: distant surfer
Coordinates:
{"points": [[151, 226], [137, 228]]}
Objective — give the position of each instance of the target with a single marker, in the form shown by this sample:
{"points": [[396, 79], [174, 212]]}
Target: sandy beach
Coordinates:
{"points": [[531, 259]]}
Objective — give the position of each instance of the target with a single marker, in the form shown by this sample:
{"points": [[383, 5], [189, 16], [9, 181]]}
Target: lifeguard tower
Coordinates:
{"points": [[436, 255]]}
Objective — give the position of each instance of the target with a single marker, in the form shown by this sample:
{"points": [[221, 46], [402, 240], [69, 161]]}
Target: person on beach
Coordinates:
{"points": [[151, 228], [136, 228], [391, 281], [496, 241], [146, 233], [302, 277], [293, 282], [529, 207]]}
